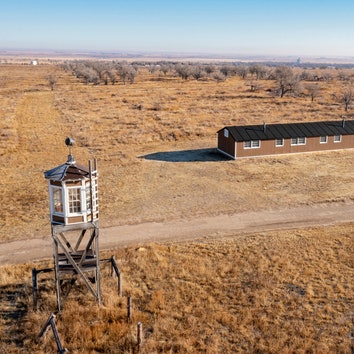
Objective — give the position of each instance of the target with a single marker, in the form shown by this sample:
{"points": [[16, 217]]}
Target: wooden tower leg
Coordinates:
{"points": [[78, 264], [97, 271], [57, 274]]}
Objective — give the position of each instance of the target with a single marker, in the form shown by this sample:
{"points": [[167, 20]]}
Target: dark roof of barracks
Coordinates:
{"points": [[67, 172], [291, 130]]}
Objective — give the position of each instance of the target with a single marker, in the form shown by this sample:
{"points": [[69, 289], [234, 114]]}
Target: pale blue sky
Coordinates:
{"points": [[253, 27]]}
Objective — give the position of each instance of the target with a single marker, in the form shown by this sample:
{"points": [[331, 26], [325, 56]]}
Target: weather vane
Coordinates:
{"points": [[69, 143]]}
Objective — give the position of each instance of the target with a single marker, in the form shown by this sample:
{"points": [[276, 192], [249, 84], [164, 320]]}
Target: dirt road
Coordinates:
{"points": [[191, 229]]}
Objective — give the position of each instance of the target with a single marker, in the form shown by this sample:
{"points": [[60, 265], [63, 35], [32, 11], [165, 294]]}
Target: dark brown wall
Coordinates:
{"points": [[58, 219], [71, 220], [56, 183], [226, 145], [312, 144]]}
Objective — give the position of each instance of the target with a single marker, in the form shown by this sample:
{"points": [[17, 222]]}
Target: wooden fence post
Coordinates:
{"points": [[34, 288], [50, 322], [140, 334], [35, 273], [61, 350], [119, 275], [129, 309]]}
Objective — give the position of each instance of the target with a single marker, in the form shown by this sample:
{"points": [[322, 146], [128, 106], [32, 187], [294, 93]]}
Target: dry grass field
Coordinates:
{"points": [[174, 115], [279, 292]]}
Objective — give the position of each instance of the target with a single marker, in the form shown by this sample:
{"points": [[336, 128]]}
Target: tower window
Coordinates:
{"points": [[74, 200], [57, 200]]}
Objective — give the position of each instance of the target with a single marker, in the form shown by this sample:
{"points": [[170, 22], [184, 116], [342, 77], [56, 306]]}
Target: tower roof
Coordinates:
{"points": [[67, 171]]}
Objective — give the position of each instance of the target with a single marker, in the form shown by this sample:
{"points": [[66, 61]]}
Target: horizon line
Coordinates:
{"points": [[141, 54]]}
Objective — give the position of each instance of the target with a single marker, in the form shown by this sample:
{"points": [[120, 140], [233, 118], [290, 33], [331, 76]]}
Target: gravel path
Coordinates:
{"points": [[191, 229]]}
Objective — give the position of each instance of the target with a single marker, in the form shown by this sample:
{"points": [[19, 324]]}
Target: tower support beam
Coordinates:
{"points": [[74, 263]]}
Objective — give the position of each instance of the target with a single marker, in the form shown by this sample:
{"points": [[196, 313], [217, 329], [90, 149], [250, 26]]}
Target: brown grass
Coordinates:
{"points": [[278, 292]]}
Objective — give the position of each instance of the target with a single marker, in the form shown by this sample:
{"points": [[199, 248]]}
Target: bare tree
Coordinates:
{"points": [[183, 71], [197, 72], [127, 73], [306, 76], [123, 73], [219, 76], [84, 71], [343, 76], [209, 69], [52, 80], [327, 76], [346, 97], [90, 75], [112, 76], [287, 81], [313, 91], [153, 68], [242, 71], [258, 71], [165, 68], [228, 70], [132, 74], [101, 68]]}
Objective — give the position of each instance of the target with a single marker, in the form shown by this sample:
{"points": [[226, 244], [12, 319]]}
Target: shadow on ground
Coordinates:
{"points": [[13, 308], [198, 155]]}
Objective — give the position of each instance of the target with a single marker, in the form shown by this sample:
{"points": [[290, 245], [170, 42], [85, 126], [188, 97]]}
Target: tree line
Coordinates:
{"points": [[288, 80], [98, 72]]}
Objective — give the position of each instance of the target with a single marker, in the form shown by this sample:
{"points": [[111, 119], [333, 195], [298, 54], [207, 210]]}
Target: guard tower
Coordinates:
{"points": [[73, 196]]}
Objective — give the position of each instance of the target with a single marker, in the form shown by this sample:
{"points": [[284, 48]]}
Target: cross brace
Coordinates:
{"points": [[78, 263]]}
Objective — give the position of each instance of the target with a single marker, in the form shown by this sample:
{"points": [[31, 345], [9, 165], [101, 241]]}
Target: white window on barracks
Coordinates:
{"points": [[251, 144], [298, 141], [337, 138], [323, 139], [279, 142]]}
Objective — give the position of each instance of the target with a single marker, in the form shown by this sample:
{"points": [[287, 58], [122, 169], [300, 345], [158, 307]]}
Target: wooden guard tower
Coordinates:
{"points": [[73, 195]]}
